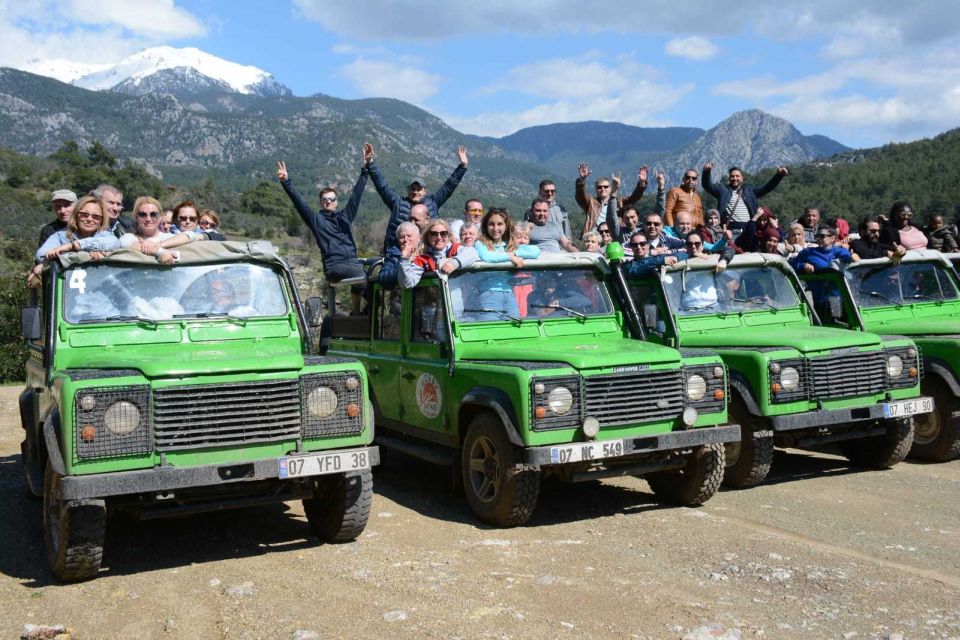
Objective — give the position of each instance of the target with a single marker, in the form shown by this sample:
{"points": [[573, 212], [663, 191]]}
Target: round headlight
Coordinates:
{"points": [[591, 427], [121, 418], [789, 378], [696, 387], [894, 366], [351, 384], [560, 400], [87, 403], [774, 367], [690, 416], [322, 402]]}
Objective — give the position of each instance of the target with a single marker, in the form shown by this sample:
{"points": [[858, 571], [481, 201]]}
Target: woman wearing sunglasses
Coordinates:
{"points": [[437, 253], [86, 231], [149, 239]]}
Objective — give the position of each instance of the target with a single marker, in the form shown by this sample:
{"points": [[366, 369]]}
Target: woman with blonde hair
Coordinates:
{"points": [[437, 253], [148, 238], [86, 231]]}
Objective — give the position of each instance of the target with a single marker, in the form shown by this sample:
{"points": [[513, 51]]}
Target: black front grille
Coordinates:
{"points": [[634, 396], [847, 375], [208, 415]]}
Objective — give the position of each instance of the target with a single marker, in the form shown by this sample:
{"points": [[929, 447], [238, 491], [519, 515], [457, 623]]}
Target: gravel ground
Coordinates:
{"points": [[821, 550]]}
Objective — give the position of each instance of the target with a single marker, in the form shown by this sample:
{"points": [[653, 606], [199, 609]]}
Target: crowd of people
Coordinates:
{"points": [[419, 240]]}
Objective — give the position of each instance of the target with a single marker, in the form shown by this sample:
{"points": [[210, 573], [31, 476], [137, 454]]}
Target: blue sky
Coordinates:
{"points": [[863, 73]]}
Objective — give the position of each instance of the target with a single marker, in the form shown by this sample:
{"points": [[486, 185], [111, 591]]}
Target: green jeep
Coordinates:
{"points": [[556, 387], [916, 297], [167, 390], [793, 384]]}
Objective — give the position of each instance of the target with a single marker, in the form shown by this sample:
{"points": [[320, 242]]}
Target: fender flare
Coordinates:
{"points": [[941, 370], [739, 382], [51, 427], [498, 402]]}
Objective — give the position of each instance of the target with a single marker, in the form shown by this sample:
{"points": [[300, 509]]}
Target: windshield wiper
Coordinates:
{"points": [[502, 314], [877, 294], [580, 315], [763, 301], [212, 314], [702, 306], [927, 297], [120, 318]]}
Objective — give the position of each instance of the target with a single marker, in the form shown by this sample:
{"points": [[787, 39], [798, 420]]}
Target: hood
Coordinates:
{"points": [[804, 339], [581, 352]]}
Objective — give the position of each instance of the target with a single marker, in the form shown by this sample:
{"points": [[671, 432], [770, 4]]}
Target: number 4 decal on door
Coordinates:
{"points": [[78, 280]]}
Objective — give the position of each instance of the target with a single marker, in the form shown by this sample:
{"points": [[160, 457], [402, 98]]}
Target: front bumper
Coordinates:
{"points": [[646, 444], [162, 479], [829, 417]]}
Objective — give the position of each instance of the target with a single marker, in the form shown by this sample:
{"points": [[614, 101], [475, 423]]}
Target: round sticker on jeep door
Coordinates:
{"points": [[429, 396]]}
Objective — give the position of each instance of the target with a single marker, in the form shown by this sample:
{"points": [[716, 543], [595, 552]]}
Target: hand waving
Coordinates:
{"points": [[282, 171], [462, 155]]}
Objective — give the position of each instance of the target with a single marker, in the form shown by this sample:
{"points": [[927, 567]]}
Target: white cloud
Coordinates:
{"points": [[158, 19], [692, 48], [88, 31], [390, 79], [575, 89]]}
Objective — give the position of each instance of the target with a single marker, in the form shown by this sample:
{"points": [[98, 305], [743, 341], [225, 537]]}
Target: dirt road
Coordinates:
{"points": [[820, 550]]}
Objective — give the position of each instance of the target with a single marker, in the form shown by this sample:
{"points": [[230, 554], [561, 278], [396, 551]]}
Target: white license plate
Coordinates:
{"points": [[586, 451], [322, 463], [906, 408]]}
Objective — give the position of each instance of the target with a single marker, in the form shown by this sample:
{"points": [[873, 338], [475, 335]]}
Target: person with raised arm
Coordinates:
{"points": [[594, 207], [738, 201], [332, 228]]}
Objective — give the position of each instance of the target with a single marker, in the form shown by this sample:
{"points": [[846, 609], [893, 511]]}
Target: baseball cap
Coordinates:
{"points": [[419, 181], [63, 194]]}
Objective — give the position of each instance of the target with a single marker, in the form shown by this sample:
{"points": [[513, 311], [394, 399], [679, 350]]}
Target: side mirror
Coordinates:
{"points": [[30, 323], [313, 307], [650, 316]]}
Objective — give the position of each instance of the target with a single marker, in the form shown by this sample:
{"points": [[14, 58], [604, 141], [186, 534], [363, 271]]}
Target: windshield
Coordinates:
{"points": [[96, 292], [903, 283], [735, 290], [480, 296]]}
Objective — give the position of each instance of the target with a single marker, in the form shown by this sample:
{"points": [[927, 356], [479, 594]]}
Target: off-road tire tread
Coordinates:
{"points": [[742, 477], [346, 518], [881, 452], [82, 533], [694, 484], [525, 479]]}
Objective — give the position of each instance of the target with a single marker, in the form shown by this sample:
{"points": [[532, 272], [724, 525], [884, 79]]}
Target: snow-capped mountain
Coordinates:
{"points": [[164, 69]]}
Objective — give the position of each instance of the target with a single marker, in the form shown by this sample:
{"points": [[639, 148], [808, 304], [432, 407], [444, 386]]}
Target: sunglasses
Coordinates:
{"points": [[651, 223], [480, 210], [439, 234], [694, 244], [824, 235], [208, 223], [605, 231], [638, 244], [87, 214], [182, 218], [149, 214], [329, 199], [603, 186]]}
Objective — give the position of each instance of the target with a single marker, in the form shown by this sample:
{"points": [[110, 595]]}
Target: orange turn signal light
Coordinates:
{"points": [[88, 433], [719, 394], [540, 412], [912, 372], [775, 387], [353, 410]]}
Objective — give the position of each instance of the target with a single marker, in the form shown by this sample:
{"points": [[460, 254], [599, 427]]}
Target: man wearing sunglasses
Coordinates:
{"points": [[332, 228], [684, 198], [472, 214], [596, 207], [660, 243], [643, 263]]}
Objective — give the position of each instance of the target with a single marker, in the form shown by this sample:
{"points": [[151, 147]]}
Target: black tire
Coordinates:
{"points": [[694, 484], [748, 462], [881, 452], [936, 435], [340, 506], [500, 490], [73, 532]]}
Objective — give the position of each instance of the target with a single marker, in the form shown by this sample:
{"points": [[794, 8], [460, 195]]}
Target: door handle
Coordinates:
{"points": [[408, 375]]}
